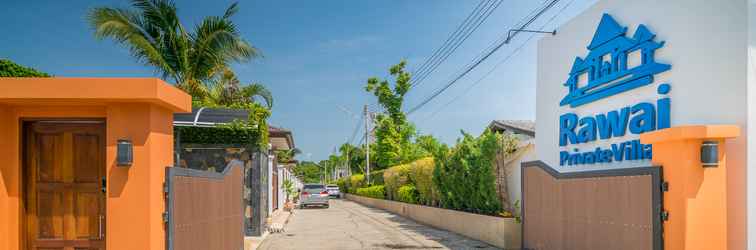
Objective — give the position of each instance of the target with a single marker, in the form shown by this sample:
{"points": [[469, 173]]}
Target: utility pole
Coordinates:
{"points": [[348, 169], [367, 144]]}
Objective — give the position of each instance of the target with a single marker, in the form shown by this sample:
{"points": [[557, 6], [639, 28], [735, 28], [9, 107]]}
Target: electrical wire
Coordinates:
{"points": [[505, 59], [356, 129], [480, 21], [446, 43], [476, 63]]}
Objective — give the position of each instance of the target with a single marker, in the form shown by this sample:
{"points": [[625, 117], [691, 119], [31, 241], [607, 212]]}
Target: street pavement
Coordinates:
{"points": [[349, 225]]}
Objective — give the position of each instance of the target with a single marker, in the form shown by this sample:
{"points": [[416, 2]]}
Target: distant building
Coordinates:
{"points": [[507, 168]]}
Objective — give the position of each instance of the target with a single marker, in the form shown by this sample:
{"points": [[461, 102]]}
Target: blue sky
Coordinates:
{"points": [[318, 56]]}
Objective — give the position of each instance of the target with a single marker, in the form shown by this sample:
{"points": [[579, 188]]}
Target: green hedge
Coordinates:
{"points": [[11, 69], [377, 192], [355, 182], [408, 194], [343, 186], [464, 175], [421, 174], [394, 178], [218, 135], [376, 177]]}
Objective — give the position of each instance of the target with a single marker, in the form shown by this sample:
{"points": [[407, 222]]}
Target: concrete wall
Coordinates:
{"points": [[497, 231]]}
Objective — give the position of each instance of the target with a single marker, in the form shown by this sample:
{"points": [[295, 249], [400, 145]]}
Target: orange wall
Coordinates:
{"points": [[136, 191], [134, 194], [699, 200]]}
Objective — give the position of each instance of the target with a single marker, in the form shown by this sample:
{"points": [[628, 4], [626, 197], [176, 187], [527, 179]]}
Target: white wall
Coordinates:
{"points": [[707, 44], [751, 183], [525, 153]]}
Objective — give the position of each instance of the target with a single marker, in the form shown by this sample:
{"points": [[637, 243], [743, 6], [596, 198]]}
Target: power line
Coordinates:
{"points": [[356, 129], [478, 22], [501, 39], [448, 39], [505, 59], [477, 62]]}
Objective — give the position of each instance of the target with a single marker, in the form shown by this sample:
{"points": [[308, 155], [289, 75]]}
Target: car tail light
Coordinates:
{"points": [[305, 193], [324, 193]]}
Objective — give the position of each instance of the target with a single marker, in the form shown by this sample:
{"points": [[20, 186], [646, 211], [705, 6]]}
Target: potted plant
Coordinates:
{"points": [[288, 187]]}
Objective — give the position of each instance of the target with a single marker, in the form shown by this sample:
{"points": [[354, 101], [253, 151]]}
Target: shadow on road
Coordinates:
{"points": [[448, 239]]}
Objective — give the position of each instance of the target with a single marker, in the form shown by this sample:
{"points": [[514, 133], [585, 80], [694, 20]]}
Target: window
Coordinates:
{"points": [[634, 59]]}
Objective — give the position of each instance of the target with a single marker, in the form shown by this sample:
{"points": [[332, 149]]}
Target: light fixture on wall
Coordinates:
{"points": [[710, 154], [124, 153]]}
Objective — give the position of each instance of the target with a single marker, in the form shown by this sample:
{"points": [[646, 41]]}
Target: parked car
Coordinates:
{"points": [[333, 191], [314, 195]]}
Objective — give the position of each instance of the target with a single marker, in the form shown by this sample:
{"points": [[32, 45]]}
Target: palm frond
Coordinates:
{"points": [[128, 28], [256, 89], [231, 10]]}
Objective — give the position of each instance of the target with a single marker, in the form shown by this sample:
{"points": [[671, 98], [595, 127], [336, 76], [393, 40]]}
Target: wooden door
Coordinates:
{"points": [[64, 185]]}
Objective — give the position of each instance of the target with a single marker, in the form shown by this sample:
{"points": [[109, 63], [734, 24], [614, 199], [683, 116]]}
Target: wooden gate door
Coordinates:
{"points": [[64, 189], [602, 209], [275, 187]]}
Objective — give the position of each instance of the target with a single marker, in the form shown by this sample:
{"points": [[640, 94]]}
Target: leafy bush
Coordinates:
{"points": [[11, 69], [376, 191], [355, 182], [421, 174], [376, 177], [395, 177], [408, 194], [464, 175], [342, 183]]}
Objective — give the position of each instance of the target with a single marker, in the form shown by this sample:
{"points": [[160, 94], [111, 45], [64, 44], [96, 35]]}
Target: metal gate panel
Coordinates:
{"points": [[606, 209], [205, 209]]}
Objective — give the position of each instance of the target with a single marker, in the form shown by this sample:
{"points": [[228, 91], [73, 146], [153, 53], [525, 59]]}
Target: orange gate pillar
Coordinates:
{"points": [[696, 199]]}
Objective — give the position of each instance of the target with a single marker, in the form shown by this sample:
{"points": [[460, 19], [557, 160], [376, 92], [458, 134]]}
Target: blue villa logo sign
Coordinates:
{"points": [[615, 64]]}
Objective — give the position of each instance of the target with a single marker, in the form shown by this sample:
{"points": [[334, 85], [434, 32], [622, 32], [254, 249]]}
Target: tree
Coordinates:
{"points": [[155, 36], [11, 69], [226, 90], [308, 172], [355, 157], [393, 132], [286, 156]]}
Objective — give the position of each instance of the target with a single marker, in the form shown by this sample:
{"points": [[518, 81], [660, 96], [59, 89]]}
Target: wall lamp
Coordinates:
{"points": [[124, 153], [710, 154]]}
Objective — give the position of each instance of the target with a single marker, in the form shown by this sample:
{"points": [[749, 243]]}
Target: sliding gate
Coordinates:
{"points": [[607, 209], [205, 210]]}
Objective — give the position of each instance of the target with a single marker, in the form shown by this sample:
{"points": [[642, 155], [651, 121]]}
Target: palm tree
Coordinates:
{"points": [[155, 36], [286, 156], [225, 90]]}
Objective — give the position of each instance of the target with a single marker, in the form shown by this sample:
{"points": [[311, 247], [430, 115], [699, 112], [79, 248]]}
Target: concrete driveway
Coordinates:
{"points": [[349, 225]]}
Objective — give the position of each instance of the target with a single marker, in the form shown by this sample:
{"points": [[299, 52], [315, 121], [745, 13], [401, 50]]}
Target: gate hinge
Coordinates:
{"points": [[165, 187], [165, 217], [664, 186], [664, 215]]}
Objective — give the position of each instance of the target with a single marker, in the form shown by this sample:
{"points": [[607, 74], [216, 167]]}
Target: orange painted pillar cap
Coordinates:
{"points": [[690, 132]]}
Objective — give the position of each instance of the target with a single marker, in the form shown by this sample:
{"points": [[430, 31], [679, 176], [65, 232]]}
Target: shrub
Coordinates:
{"points": [[342, 183], [376, 191], [355, 182], [11, 69], [421, 174], [395, 177], [408, 194], [376, 177], [464, 176]]}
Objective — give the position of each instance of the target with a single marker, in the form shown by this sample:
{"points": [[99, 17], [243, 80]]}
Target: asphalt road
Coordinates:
{"points": [[348, 225]]}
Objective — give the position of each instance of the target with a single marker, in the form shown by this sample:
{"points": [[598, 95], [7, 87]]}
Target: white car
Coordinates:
{"points": [[314, 195], [333, 191]]}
